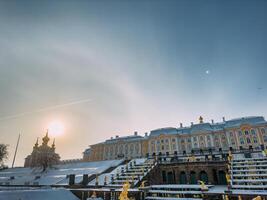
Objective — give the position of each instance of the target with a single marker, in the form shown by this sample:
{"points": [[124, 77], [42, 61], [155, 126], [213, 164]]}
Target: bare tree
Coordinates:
{"points": [[3, 153], [46, 158]]}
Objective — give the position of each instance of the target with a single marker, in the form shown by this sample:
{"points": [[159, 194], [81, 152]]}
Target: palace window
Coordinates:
{"points": [[167, 147], [131, 148], [195, 139], [248, 140], [246, 132], [188, 147], [116, 149], [241, 141], [231, 134], [162, 147], [137, 148], [208, 137], [162, 141], [263, 130], [253, 132], [255, 140], [182, 140], [265, 138], [173, 139], [189, 140], [233, 141], [240, 133], [166, 141], [173, 146], [201, 138], [217, 144]]}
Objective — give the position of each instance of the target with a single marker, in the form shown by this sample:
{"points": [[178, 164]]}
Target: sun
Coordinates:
{"points": [[56, 128]]}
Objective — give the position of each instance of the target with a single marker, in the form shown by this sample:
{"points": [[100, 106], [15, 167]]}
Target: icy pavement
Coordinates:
{"points": [[37, 194]]}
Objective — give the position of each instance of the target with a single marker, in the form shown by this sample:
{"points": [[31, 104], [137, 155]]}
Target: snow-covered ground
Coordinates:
{"points": [[37, 194], [56, 175]]}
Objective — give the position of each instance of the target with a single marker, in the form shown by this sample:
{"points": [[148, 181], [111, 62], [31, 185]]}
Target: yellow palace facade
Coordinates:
{"points": [[235, 134]]}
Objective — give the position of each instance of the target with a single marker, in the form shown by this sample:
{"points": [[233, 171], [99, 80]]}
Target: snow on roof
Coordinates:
{"points": [[125, 138], [40, 194], [56, 175], [208, 127], [167, 130]]}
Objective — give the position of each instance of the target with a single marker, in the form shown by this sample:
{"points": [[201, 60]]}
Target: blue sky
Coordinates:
{"points": [[142, 64]]}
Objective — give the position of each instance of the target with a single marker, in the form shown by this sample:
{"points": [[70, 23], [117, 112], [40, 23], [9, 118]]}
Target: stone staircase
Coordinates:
{"points": [[249, 173], [133, 172], [175, 192]]}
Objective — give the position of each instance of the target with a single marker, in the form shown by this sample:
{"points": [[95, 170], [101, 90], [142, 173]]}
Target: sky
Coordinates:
{"points": [[106, 68]]}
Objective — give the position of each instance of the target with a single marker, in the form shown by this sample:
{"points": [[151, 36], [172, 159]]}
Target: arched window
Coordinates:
{"points": [[215, 177], [193, 177], [170, 178], [222, 178], [263, 130], [253, 132], [248, 140], [203, 176], [182, 178], [240, 133]]}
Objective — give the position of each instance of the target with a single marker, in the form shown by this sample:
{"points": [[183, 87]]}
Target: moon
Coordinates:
{"points": [[56, 128], [207, 71]]}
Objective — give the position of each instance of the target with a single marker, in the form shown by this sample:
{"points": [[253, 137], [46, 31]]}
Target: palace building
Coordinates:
{"points": [[203, 137]]}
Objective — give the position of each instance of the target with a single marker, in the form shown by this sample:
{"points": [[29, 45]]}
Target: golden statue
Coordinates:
{"points": [[239, 197], [93, 195], [228, 178], [142, 184], [192, 158], [202, 185], [226, 197], [230, 156], [257, 198], [124, 193]]}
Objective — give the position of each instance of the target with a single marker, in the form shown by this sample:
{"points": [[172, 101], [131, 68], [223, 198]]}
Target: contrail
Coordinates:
{"points": [[45, 109]]}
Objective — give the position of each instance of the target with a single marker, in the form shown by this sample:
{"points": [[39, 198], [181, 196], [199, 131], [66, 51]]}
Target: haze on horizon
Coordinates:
{"points": [[143, 65]]}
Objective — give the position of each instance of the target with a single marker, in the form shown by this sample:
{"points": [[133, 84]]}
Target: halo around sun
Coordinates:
{"points": [[56, 128]]}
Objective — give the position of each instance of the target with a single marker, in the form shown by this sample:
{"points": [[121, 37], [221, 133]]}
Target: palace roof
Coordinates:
{"points": [[125, 138], [209, 127]]}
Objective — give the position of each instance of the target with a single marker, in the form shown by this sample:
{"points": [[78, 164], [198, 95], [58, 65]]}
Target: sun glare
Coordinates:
{"points": [[56, 128]]}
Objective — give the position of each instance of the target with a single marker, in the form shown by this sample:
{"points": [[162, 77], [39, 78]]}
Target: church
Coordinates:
{"points": [[42, 155]]}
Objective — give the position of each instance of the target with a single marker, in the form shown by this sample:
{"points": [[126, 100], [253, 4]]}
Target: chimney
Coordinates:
{"points": [[223, 119], [181, 125], [146, 134], [212, 121], [192, 123], [135, 133], [117, 136]]}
